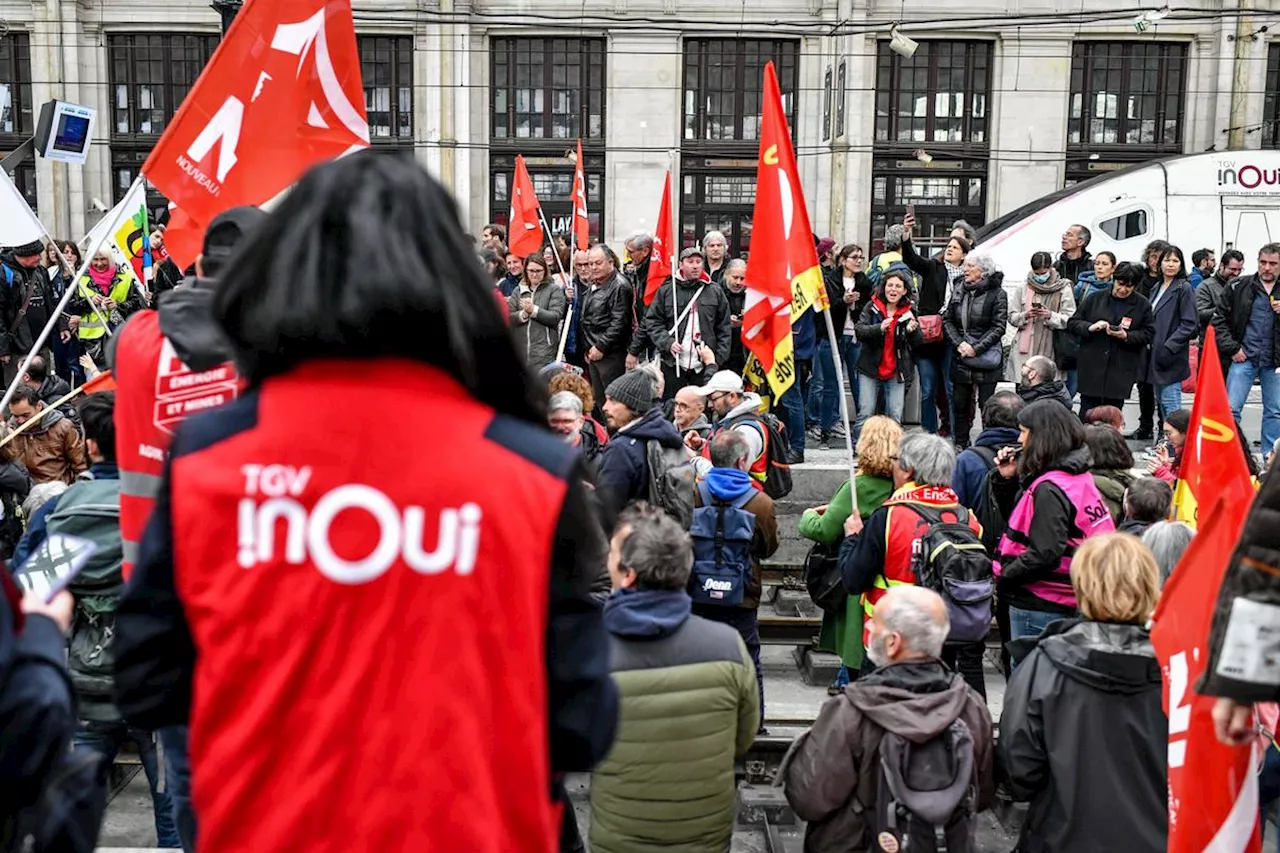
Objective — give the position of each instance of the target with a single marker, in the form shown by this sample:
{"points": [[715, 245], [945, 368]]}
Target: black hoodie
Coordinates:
{"points": [[186, 319], [1084, 739]]}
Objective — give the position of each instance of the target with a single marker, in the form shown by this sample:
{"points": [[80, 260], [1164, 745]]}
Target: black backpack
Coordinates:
{"points": [[822, 579], [926, 797], [777, 481], [951, 560]]}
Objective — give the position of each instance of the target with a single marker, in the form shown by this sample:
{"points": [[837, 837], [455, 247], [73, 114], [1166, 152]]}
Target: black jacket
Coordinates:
{"points": [[624, 467], [608, 316], [1053, 390], [1084, 739], [19, 328], [871, 337], [713, 317], [1211, 300], [737, 352], [988, 315], [1071, 269], [1231, 324], [1176, 326], [933, 279], [1108, 366], [638, 274]]}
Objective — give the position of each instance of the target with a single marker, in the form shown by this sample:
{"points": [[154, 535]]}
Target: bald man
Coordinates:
{"points": [[690, 413]]}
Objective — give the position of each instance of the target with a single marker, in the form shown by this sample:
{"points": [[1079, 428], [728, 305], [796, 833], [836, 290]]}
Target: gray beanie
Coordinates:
{"points": [[633, 389]]}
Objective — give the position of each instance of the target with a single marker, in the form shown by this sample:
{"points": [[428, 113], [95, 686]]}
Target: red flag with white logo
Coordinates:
{"points": [[524, 232], [281, 94], [664, 246], [581, 224]]}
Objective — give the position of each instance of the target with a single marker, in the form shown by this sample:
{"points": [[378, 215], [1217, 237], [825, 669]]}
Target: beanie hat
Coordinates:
{"points": [[633, 389], [26, 250]]}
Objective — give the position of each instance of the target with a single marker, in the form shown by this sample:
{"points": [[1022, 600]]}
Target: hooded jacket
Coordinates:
{"points": [[725, 486], [831, 774], [1055, 389], [971, 466], [689, 709], [624, 465], [1107, 366], [1084, 739], [988, 315], [713, 317], [50, 450]]}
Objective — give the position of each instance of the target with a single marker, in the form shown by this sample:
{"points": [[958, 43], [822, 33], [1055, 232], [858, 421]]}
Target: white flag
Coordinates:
{"points": [[18, 225]]}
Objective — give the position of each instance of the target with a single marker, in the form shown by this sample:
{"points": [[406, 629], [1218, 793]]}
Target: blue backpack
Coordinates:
{"points": [[721, 534]]}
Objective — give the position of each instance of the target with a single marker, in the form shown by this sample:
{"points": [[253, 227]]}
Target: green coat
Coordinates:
{"points": [[842, 633], [689, 708]]}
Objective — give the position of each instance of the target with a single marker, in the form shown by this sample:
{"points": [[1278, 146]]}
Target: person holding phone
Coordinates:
{"points": [[1115, 328], [1038, 309]]}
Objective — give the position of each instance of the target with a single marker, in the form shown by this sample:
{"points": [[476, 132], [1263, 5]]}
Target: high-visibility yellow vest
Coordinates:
{"points": [[93, 324]]}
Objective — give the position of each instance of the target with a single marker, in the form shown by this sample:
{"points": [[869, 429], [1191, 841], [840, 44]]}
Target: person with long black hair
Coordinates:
{"points": [[342, 610], [1114, 326]]}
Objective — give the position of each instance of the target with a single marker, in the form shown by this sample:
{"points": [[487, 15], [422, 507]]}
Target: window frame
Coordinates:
{"points": [[592, 89], [1271, 99], [15, 72], [503, 164], [978, 70], [697, 55], [400, 61]]}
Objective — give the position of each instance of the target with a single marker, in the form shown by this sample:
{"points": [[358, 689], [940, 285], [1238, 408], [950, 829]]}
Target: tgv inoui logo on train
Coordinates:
{"points": [[271, 493]]}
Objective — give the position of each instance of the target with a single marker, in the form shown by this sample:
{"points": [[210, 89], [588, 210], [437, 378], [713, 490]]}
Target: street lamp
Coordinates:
{"points": [[227, 9]]}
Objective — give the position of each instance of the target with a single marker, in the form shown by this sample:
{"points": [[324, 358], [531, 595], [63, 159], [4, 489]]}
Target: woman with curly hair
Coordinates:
{"points": [[877, 450]]}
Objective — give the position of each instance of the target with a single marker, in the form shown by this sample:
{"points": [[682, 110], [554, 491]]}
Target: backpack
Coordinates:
{"points": [[90, 509], [777, 480], [926, 799], [721, 534], [822, 578], [951, 560], [672, 481]]}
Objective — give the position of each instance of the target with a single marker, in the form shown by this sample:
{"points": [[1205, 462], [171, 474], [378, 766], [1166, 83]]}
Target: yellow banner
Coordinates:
{"points": [[807, 289]]}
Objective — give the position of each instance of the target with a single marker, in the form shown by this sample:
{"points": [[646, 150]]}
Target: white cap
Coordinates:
{"points": [[724, 380]]}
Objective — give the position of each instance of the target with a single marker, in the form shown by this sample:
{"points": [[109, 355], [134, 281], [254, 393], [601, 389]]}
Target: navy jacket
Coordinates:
{"points": [[1177, 325], [624, 467], [971, 469]]}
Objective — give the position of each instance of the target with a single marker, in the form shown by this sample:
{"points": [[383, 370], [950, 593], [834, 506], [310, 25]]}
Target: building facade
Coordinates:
{"points": [[1002, 102]]}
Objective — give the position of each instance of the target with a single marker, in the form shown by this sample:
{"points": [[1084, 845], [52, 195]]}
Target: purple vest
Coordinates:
{"points": [[1091, 518]]}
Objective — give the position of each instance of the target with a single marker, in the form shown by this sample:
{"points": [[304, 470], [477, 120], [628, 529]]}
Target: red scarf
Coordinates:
{"points": [[889, 356]]}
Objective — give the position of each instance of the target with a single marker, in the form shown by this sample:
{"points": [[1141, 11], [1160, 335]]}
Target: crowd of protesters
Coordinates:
{"points": [[607, 496]]}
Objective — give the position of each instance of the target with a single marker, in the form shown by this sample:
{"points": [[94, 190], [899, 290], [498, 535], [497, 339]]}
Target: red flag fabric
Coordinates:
{"points": [[102, 382], [661, 259], [581, 224], [783, 275], [524, 233], [1213, 792], [281, 93]]}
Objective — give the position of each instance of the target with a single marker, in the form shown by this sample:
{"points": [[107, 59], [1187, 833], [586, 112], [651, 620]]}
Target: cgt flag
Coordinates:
{"points": [[1213, 461], [664, 242], [784, 279], [524, 234], [281, 94], [1213, 788], [581, 222]]}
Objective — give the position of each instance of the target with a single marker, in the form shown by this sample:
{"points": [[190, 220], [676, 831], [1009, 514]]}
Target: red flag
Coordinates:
{"points": [[1213, 792], [524, 233], [102, 382], [783, 275], [581, 224], [661, 258], [281, 94]]}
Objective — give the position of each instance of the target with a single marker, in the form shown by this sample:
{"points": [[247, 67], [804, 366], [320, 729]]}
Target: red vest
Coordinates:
{"points": [[154, 392]]}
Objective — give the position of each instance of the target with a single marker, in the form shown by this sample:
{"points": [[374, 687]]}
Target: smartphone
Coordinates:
{"points": [[911, 211], [54, 565], [1035, 304], [1115, 328]]}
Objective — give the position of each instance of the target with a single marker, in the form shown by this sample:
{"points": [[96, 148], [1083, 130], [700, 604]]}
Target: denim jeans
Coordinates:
{"points": [[1239, 380], [850, 349], [824, 392], [1029, 623], [177, 776], [1170, 398], [931, 374], [1073, 382], [895, 395], [106, 739], [791, 410], [743, 620]]}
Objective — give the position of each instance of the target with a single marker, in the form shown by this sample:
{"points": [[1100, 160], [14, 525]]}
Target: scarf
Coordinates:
{"points": [[1050, 287], [103, 279], [889, 355], [954, 274]]}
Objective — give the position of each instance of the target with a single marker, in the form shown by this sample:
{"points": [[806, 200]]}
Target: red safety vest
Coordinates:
{"points": [[154, 392]]}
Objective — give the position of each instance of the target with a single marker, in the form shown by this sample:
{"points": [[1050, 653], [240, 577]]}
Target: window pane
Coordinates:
{"points": [[937, 96], [548, 88], [723, 80], [1271, 101], [1127, 94]]}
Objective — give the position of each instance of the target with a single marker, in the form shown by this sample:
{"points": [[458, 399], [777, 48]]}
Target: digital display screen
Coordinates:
{"points": [[73, 133]]}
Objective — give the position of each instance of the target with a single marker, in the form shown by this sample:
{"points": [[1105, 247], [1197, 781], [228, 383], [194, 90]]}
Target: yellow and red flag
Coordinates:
{"points": [[1213, 460], [784, 279]]}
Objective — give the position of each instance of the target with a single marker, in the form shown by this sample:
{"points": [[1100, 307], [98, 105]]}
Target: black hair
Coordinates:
{"points": [[1148, 499], [1042, 261], [966, 246], [97, 413], [1001, 410], [38, 368], [1130, 274], [63, 245], [1105, 253], [1055, 432], [1182, 262], [1199, 255], [1179, 420], [26, 394], [1109, 449], [1085, 234], [1269, 249], [848, 249], [365, 258], [1231, 255], [901, 276], [494, 228], [1156, 246]]}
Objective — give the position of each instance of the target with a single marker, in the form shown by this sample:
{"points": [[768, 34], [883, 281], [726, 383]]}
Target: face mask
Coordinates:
{"points": [[1040, 278]]}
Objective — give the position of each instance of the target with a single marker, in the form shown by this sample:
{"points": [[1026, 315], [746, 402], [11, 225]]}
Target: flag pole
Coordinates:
{"points": [[677, 241], [551, 241], [54, 315], [844, 403], [61, 401]]}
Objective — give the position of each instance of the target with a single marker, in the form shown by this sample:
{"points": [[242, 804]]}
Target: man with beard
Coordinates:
{"points": [[735, 287], [639, 254]]}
